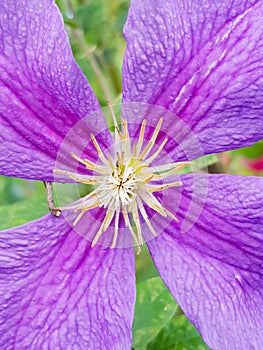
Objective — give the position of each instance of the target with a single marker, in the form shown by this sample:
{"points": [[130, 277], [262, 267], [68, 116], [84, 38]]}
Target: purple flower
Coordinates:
{"points": [[201, 61]]}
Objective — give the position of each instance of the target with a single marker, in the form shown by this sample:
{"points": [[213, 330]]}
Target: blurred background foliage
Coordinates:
{"points": [[95, 32]]}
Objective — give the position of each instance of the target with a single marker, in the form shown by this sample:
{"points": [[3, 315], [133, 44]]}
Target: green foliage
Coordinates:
{"points": [[177, 334], [95, 32], [21, 212], [13, 190], [21, 201], [159, 323], [145, 267], [154, 308], [254, 151]]}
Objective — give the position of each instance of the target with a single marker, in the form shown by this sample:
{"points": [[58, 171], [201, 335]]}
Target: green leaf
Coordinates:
{"points": [[178, 334], [154, 308], [254, 151], [21, 212]]}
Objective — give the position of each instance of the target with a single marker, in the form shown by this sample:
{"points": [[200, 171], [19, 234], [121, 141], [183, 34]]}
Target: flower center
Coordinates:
{"points": [[119, 188], [125, 183]]}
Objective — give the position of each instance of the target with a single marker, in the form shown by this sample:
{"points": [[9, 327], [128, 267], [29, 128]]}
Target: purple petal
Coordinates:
{"points": [[215, 269], [58, 293], [43, 92], [202, 60]]}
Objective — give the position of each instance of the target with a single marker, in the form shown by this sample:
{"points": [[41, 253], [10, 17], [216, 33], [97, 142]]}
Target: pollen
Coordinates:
{"points": [[125, 183]]}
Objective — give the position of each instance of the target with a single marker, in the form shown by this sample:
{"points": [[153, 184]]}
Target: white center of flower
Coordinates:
{"points": [[124, 184], [119, 188]]}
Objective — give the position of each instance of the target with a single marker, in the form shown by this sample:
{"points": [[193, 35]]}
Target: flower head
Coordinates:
{"points": [[194, 72]]}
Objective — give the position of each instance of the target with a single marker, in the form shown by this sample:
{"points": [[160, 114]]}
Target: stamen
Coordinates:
{"points": [[153, 203], [171, 215], [149, 178], [125, 216], [90, 165], [125, 128], [105, 224], [88, 207], [126, 139], [113, 116], [79, 217], [145, 216], [99, 151], [134, 151], [138, 146], [155, 155], [169, 168], [85, 179], [137, 223], [154, 188], [150, 145], [125, 184], [111, 163]]}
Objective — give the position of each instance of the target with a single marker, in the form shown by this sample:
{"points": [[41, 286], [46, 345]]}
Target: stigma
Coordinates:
{"points": [[125, 183]]}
